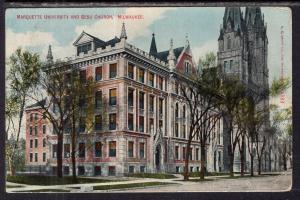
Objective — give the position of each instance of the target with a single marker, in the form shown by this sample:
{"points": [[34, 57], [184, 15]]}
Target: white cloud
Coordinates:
{"points": [[200, 51], [27, 39], [107, 29]]}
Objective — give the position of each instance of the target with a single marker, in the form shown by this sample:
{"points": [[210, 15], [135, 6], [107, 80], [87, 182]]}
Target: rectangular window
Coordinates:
{"points": [[113, 70], [141, 123], [54, 150], [36, 143], [130, 97], [66, 170], [141, 100], [30, 157], [183, 153], [183, 112], [98, 149], [35, 130], [31, 117], [191, 169], [191, 153], [141, 75], [112, 148], [160, 124], [44, 129], [197, 169], [36, 157], [98, 122], [111, 170], [31, 143], [177, 152], [30, 130], [113, 97], [81, 150], [151, 103], [97, 170], [67, 150], [130, 149], [82, 75], [98, 73], [183, 131], [161, 106], [98, 99], [176, 130], [81, 170], [197, 153], [130, 71], [82, 124], [131, 169], [142, 169], [44, 142], [177, 169], [160, 83], [36, 117], [151, 79], [176, 88], [142, 150], [151, 125], [130, 122], [231, 65], [44, 157], [112, 121]]}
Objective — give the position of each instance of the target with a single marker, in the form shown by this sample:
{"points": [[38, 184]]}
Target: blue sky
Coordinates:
{"points": [[202, 26]]}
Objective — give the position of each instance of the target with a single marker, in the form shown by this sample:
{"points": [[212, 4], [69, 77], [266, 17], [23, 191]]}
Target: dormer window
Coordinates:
{"points": [[85, 48], [186, 67]]}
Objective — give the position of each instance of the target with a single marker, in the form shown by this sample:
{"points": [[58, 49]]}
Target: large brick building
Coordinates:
{"points": [[147, 116]]}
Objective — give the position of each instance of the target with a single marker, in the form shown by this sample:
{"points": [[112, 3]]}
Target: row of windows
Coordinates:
{"points": [[36, 130], [36, 143], [141, 101], [183, 153], [141, 76], [36, 157], [98, 150], [192, 169]]}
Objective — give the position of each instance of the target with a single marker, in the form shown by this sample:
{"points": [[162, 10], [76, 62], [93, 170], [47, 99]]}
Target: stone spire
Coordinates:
{"points": [[171, 57], [187, 42], [234, 16], [49, 55], [153, 49], [123, 33]]}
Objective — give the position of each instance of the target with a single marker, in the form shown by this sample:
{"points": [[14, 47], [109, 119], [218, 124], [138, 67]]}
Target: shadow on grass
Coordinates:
{"points": [[14, 186], [45, 190], [52, 180]]}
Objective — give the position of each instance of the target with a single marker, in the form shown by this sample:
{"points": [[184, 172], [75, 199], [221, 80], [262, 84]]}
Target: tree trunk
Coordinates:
{"points": [[15, 146], [231, 160], [251, 164], [259, 165], [203, 160], [59, 154], [73, 148], [242, 156], [186, 162]]}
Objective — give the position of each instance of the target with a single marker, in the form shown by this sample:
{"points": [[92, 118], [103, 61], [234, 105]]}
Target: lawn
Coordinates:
{"points": [[130, 185], [51, 180], [46, 190], [14, 186], [152, 175], [197, 174]]}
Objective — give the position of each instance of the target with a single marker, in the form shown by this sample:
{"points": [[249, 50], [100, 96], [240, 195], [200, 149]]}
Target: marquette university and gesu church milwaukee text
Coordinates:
{"points": [[80, 17]]}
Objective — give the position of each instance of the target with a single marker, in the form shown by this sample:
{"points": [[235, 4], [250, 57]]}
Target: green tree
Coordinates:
{"points": [[22, 77]]}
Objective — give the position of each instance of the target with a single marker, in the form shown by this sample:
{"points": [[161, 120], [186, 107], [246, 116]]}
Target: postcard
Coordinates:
{"points": [[148, 99]]}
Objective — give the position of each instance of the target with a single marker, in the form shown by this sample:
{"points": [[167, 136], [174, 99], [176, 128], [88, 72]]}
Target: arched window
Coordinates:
{"points": [[183, 112], [228, 42]]}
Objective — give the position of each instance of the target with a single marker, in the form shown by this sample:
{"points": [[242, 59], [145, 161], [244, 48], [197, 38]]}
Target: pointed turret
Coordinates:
{"points": [[153, 49], [49, 55], [253, 15], [234, 16], [171, 56], [123, 32]]}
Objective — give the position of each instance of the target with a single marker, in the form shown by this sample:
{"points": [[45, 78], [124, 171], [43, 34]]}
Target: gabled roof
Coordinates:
{"points": [[37, 104], [91, 36], [113, 41], [164, 54]]}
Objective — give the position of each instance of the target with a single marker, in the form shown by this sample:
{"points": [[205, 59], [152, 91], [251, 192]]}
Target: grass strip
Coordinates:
{"points": [[151, 175], [130, 185], [52, 180], [46, 190]]}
